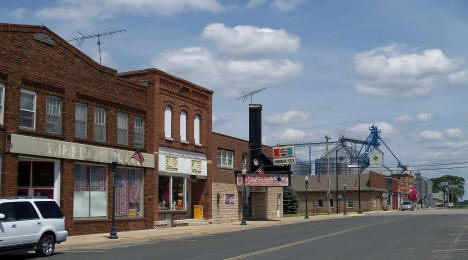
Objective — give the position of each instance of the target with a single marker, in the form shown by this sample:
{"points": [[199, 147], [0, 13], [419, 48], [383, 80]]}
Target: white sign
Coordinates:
{"points": [[182, 162], [29, 145], [284, 161]]}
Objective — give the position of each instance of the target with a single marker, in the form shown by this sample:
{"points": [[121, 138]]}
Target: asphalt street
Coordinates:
{"points": [[424, 234]]}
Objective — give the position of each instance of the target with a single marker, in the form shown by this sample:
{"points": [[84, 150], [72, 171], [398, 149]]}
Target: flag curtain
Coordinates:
{"points": [[128, 188]]}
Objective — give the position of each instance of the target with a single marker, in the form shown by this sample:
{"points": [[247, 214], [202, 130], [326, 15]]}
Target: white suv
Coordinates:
{"points": [[30, 223]]}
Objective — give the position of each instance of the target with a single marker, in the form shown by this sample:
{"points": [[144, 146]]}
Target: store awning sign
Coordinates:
{"points": [[266, 180]]}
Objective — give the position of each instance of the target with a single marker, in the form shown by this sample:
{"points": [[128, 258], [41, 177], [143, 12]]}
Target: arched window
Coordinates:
{"points": [[183, 126], [196, 129], [168, 122]]}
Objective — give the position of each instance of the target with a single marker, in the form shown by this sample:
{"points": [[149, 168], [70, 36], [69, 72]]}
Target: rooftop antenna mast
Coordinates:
{"points": [[246, 96], [80, 39]]}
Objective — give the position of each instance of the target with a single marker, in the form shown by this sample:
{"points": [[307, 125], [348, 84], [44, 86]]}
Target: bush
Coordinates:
{"points": [[290, 201]]}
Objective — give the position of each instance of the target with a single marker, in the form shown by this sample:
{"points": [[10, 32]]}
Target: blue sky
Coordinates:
{"points": [[330, 67]]}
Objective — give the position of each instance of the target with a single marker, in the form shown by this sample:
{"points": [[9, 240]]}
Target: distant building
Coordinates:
{"points": [[424, 187]]}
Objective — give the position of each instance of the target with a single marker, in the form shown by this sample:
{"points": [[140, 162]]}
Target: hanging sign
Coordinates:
{"points": [[196, 166], [171, 163], [266, 180], [284, 155]]}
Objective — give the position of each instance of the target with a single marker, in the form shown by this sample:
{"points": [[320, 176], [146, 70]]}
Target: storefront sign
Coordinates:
{"points": [[29, 145], [266, 180], [284, 155], [196, 166], [171, 163], [229, 199]]}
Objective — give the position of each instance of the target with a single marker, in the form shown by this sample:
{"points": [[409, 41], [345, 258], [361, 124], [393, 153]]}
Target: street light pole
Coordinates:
{"points": [[336, 175], [244, 206], [306, 182], [115, 159], [359, 188], [344, 197]]}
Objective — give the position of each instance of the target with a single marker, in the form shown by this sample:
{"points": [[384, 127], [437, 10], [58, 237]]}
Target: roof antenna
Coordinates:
{"points": [[80, 39], [246, 96]]}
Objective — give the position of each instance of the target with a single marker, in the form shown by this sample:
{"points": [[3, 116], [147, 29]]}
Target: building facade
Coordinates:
{"points": [[63, 119]]}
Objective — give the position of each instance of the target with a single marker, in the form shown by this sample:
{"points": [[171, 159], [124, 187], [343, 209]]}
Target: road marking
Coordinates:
{"points": [[300, 242], [448, 250]]}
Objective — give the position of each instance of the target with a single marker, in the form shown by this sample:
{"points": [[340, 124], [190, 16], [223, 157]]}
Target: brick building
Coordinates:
{"points": [[226, 196], [182, 112], [63, 117], [373, 188]]}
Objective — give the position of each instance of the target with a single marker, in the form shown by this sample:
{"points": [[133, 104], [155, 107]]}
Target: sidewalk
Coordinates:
{"points": [[95, 241]]}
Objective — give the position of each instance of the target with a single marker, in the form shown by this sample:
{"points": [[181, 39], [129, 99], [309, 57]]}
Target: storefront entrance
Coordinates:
{"points": [[38, 177]]}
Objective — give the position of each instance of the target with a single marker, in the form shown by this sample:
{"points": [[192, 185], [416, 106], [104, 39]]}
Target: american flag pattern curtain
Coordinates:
{"points": [[90, 178], [127, 189]]}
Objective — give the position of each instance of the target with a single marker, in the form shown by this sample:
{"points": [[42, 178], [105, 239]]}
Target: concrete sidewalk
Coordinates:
{"points": [[127, 238]]}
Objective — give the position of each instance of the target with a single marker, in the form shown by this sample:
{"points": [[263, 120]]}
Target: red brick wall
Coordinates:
{"points": [[377, 180], [62, 70]]}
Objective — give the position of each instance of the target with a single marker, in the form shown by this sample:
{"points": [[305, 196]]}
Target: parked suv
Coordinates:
{"points": [[30, 223]]}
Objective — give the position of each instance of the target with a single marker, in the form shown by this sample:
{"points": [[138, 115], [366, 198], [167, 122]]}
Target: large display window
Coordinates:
{"points": [[129, 192], [90, 194], [172, 193], [36, 178]]}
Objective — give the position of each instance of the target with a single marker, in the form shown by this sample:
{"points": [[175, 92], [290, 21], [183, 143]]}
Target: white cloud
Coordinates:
{"points": [[454, 132], [431, 135], [250, 40], [229, 76], [459, 77], [387, 71], [404, 119], [255, 3], [289, 135], [18, 13], [286, 5], [425, 117], [287, 117], [104, 9], [362, 129]]}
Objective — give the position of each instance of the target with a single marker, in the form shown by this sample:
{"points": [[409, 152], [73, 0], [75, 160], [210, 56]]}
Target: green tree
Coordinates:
{"points": [[290, 201], [456, 183]]}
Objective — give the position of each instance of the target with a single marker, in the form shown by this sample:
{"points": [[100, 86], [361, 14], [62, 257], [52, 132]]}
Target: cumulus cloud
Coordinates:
{"points": [[286, 5], [104, 9], [250, 40], [454, 132], [431, 135], [388, 71], [18, 13], [289, 135], [421, 117], [227, 75], [459, 77], [292, 116], [362, 129], [255, 3]]}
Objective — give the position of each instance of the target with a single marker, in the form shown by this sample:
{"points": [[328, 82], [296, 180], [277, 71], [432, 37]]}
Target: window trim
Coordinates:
{"points": [[85, 122], [95, 123], [2, 101], [168, 122], [121, 129], [183, 135], [107, 191], [135, 143], [33, 128], [220, 162], [52, 97], [195, 135]]}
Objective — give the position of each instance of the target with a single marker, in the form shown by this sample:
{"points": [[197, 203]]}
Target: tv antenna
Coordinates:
{"points": [[246, 96], [80, 39]]}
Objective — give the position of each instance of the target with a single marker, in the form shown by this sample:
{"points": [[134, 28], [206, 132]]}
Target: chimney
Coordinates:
{"points": [[255, 135]]}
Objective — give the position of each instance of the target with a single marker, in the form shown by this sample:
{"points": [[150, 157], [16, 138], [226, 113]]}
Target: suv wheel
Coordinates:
{"points": [[46, 245]]}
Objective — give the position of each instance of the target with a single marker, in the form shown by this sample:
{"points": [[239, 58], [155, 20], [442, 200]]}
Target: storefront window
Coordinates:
{"points": [[36, 178], [164, 190], [90, 194], [171, 193], [43, 174], [129, 192], [178, 193]]}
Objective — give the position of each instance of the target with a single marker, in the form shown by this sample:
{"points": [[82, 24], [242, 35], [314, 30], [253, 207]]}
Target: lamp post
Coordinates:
{"points": [[359, 188], [115, 159], [344, 197], [244, 206], [306, 184]]}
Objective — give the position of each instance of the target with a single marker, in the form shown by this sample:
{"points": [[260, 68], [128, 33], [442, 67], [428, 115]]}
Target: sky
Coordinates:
{"points": [[329, 67]]}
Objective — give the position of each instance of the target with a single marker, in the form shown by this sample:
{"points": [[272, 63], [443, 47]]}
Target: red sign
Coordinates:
{"points": [[229, 199], [266, 180]]}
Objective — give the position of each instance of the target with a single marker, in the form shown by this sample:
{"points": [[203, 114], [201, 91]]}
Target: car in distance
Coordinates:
{"points": [[450, 205], [30, 223], [407, 205]]}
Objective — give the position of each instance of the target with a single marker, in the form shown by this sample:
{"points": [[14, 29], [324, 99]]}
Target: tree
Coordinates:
{"points": [[290, 201], [456, 184]]}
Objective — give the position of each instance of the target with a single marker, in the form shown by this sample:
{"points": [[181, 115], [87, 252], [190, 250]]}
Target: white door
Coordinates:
{"points": [[28, 224], [8, 230], [278, 206]]}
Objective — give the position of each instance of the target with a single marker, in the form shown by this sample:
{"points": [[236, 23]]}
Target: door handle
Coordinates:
{"points": [[13, 226]]}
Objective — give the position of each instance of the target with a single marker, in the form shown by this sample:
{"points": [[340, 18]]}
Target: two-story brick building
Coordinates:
{"points": [[63, 119]]}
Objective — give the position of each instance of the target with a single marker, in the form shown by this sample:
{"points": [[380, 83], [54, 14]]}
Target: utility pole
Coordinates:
{"points": [[328, 176]]}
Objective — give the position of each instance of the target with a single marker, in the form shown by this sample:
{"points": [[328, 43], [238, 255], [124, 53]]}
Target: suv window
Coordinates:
{"points": [[49, 209], [18, 211]]}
